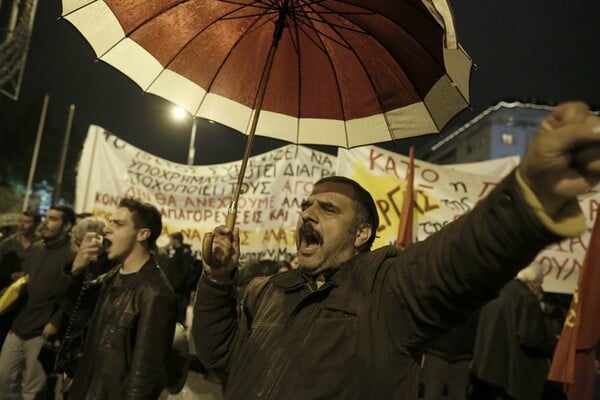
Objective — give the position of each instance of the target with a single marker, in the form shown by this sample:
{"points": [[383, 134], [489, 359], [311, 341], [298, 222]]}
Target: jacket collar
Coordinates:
{"points": [[135, 280], [57, 242], [293, 280]]}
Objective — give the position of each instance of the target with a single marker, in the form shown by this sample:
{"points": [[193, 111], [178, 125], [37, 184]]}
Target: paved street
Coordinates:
{"points": [[196, 388]]}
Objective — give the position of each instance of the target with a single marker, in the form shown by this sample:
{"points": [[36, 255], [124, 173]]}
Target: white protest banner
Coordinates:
{"points": [[194, 199], [442, 194], [496, 167]]}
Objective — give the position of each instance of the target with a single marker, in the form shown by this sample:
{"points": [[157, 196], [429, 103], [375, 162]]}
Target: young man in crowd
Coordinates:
{"points": [[21, 374], [351, 323], [131, 329], [15, 247], [13, 250]]}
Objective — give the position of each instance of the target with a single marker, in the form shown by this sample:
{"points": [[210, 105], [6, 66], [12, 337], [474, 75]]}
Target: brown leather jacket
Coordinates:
{"points": [[361, 334], [129, 338]]}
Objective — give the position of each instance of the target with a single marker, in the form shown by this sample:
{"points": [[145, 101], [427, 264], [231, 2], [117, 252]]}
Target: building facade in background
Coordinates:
{"points": [[501, 131]]}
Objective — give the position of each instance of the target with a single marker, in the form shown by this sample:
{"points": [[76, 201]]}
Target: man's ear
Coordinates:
{"points": [[67, 227], [143, 234], [363, 233]]}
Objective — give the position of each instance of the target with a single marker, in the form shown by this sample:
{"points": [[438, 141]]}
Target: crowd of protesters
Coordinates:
{"points": [[340, 321]]}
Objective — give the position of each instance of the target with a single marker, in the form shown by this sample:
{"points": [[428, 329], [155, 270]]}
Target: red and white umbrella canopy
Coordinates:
{"points": [[345, 73]]}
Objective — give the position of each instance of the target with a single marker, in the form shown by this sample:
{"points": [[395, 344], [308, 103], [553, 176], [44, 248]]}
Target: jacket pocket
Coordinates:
{"points": [[118, 331], [127, 320], [332, 341]]}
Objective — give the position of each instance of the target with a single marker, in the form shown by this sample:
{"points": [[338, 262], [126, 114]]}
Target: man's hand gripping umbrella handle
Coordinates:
{"points": [[207, 240]]}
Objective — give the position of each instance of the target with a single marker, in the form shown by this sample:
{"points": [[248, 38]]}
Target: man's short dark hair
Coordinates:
{"points": [[34, 215], [366, 209], [84, 215], [145, 215], [68, 214]]}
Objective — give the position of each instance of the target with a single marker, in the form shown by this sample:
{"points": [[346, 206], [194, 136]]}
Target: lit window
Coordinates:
{"points": [[507, 138]]}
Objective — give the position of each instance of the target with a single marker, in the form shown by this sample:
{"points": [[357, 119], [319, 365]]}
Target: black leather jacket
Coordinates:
{"points": [[128, 339]]}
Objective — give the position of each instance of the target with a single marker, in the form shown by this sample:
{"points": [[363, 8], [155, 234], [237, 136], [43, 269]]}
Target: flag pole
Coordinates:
{"points": [[63, 155], [192, 146], [404, 237], [36, 151]]}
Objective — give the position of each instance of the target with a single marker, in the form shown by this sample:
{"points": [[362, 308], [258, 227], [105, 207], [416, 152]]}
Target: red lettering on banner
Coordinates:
{"points": [[383, 207], [390, 166], [244, 236], [278, 235], [191, 234], [429, 175], [390, 195], [424, 205], [561, 269], [137, 194], [248, 216], [372, 158], [571, 245], [163, 199], [321, 159], [280, 214], [106, 199], [297, 187], [593, 209], [486, 186]]}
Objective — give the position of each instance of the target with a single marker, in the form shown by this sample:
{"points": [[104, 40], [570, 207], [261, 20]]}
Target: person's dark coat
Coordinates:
{"points": [[129, 338], [45, 287], [12, 255], [178, 268], [360, 336], [457, 344], [513, 346], [78, 307]]}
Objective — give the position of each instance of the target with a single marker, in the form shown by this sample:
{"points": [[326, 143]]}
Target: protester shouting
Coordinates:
{"points": [[351, 323], [131, 329]]}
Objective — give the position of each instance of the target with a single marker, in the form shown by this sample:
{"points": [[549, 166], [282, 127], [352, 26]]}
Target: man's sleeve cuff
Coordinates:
{"points": [[569, 222]]}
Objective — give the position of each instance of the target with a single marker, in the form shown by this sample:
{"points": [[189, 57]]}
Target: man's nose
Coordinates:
{"points": [[308, 214]]}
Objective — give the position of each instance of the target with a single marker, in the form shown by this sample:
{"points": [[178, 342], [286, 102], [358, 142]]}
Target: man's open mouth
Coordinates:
{"points": [[309, 236]]}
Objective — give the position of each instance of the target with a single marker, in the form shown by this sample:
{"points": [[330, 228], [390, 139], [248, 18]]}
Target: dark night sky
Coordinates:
{"points": [[525, 49]]}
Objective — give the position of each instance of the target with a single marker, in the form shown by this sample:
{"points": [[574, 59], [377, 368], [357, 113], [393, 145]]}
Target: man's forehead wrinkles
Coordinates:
{"points": [[329, 197], [334, 187]]}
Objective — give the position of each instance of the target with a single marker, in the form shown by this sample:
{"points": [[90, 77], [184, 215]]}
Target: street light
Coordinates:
{"points": [[180, 114]]}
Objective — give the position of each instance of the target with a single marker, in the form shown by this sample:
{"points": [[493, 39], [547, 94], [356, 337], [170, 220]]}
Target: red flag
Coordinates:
{"points": [[573, 361], [404, 237]]}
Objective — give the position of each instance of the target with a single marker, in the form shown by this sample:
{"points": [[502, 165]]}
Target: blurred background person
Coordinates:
{"points": [[38, 321], [178, 269], [13, 250], [81, 216], [254, 269], [284, 266], [85, 225], [447, 361], [513, 344], [80, 301]]}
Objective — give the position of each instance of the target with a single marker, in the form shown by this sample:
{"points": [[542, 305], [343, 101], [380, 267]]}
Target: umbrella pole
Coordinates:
{"points": [[207, 241]]}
